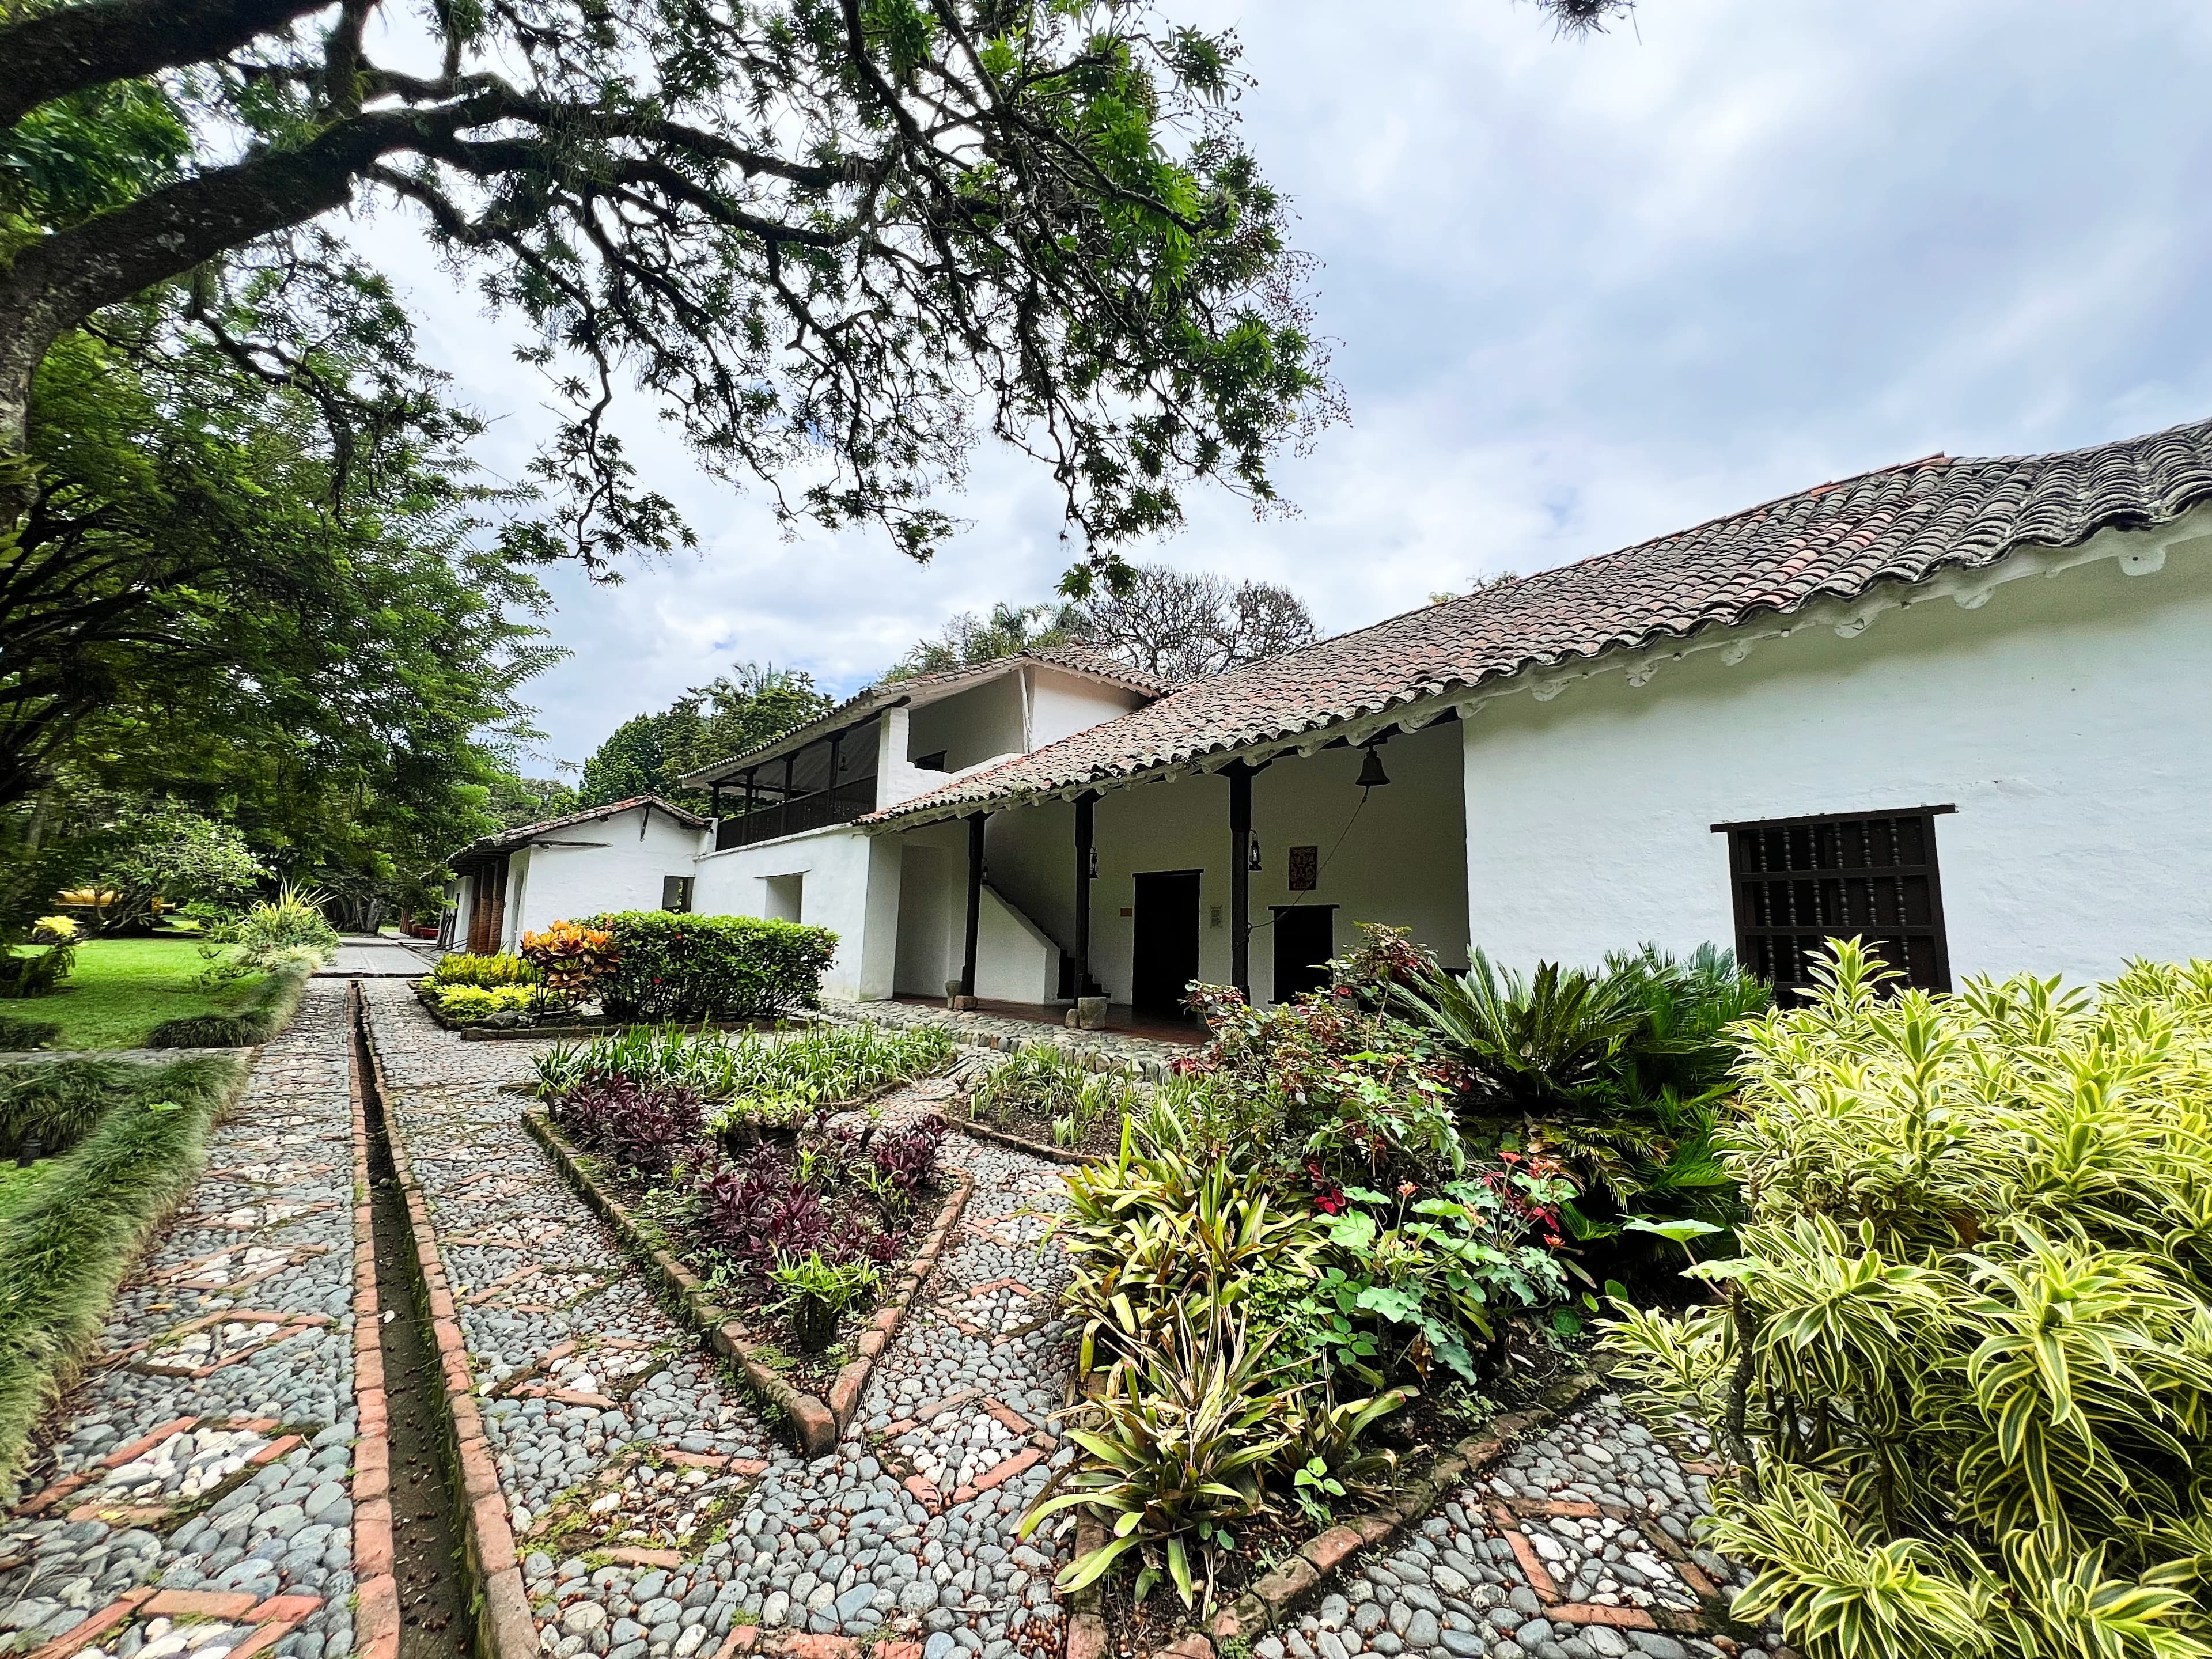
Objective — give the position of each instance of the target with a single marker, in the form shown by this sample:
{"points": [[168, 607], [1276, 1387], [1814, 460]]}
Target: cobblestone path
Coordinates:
{"points": [[206, 1464], [616, 1438], [1577, 1543]]}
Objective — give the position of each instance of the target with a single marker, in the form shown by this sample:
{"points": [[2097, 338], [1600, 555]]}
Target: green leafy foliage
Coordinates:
{"points": [[156, 849], [58, 1105], [686, 967], [63, 1254], [21, 1036], [648, 753], [1962, 1359]]}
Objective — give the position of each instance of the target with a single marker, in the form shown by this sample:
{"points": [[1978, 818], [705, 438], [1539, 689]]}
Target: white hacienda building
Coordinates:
{"points": [[1964, 707]]}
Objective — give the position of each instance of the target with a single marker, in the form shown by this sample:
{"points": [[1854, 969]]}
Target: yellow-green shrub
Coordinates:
{"points": [[487, 971], [1964, 1360]]}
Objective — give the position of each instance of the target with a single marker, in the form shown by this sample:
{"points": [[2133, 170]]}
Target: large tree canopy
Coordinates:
{"points": [[1174, 625], [834, 238], [648, 753]]}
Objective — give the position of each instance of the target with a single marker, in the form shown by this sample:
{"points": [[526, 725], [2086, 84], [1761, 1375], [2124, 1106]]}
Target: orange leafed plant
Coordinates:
{"points": [[572, 957]]}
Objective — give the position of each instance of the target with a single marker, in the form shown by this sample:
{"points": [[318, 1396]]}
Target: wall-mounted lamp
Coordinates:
{"points": [[1252, 852], [1094, 864], [1371, 774]]}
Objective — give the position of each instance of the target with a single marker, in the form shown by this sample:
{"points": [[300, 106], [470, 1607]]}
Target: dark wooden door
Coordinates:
{"points": [[1166, 940], [1305, 939], [488, 911]]}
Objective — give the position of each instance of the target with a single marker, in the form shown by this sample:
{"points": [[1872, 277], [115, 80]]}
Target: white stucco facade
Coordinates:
{"points": [[2057, 701], [2052, 708], [838, 878]]}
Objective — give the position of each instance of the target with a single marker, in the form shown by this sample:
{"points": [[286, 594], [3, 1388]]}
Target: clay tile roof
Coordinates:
{"points": [[506, 840], [1900, 524]]}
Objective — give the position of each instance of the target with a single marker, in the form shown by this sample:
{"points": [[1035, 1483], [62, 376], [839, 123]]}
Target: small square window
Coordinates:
{"points": [[1801, 882], [675, 894]]}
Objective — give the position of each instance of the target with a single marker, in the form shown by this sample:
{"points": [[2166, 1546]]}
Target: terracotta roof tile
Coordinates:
{"points": [[504, 840], [1900, 524]]}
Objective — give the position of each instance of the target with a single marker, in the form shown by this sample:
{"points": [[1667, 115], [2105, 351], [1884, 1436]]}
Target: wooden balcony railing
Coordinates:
{"points": [[818, 810]]}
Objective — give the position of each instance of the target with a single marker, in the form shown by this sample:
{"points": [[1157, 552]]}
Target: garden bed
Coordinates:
{"points": [[789, 1234], [1048, 1102], [818, 1394]]}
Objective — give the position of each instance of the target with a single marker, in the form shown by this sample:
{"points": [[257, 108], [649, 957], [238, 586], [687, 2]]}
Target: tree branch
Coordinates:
{"points": [[52, 54]]}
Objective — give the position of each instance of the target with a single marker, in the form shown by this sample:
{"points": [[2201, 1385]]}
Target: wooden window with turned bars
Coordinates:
{"points": [[1801, 882]]}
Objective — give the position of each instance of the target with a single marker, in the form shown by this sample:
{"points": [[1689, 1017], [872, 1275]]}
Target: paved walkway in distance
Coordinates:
{"points": [[206, 1462], [616, 1437], [360, 957]]}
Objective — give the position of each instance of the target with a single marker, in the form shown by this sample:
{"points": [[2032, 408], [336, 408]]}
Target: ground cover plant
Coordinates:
{"points": [[121, 989], [1963, 1362], [288, 928], [64, 1251], [668, 966], [1049, 1094], [728, 1149]]}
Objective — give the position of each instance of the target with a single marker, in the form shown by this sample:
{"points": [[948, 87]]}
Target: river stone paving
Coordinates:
{"points": [[654, 1511], [204, 1464], [1577, 1544]]}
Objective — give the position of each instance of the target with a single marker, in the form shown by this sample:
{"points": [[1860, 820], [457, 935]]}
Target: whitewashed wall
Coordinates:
{"points": [[848, 883], [620, 870], [2068, 718]]}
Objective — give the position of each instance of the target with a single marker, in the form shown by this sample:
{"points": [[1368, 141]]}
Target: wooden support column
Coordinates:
{"points": [[1085, 846], [751, 800], [974, 901], [1240, 877]]}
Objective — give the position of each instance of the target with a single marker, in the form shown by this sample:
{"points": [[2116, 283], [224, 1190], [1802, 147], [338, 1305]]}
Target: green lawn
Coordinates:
{"points": [[122, 988]]}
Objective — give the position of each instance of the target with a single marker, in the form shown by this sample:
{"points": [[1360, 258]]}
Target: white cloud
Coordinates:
{"points": [[1585, 292]]}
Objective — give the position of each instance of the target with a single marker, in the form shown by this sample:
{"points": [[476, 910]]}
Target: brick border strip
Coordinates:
{"points": [[505, 1626], [376, 1621], [815, 1424]]}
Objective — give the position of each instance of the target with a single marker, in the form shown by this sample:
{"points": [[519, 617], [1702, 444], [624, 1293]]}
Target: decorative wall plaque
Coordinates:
{"points": [[1305, 869]]}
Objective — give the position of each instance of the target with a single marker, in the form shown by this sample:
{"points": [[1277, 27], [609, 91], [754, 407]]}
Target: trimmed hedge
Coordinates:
{"points": [[61, 1257], [686, 967], [270, 1012]]}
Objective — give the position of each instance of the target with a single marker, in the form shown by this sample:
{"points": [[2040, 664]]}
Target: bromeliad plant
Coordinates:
{"points": [[1964, 1361], [1176, 1452]]}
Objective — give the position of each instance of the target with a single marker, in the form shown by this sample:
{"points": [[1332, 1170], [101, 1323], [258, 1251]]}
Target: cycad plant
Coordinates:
{"points": [[1964, 1362]]}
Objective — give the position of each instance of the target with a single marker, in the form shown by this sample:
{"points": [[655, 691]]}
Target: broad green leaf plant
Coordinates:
{"points": [[1963, 1364]]}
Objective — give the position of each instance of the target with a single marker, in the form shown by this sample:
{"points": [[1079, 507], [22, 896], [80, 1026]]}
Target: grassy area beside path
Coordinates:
{"points": [[122, 988], [64, 1251]]}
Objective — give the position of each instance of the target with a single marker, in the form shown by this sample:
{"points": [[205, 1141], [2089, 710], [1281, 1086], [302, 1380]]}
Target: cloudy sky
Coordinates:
{"points": [[1582, 293]]}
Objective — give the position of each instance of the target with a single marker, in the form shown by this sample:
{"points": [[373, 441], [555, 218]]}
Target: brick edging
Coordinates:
{"points": [[376, 1619], [1268, 1604], [505, 1628], [816, 1423]]}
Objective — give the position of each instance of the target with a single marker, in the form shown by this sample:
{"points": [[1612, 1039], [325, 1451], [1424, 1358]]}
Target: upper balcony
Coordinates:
{"points": [[820, 808]]}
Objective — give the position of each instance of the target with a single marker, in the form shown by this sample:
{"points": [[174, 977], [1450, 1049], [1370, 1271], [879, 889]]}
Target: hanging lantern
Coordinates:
{"points": [[1252, 853], [1371, 774]]}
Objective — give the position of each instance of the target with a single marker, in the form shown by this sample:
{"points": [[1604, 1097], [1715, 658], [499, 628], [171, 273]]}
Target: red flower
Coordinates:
{"points": [[1406, 1189]]}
